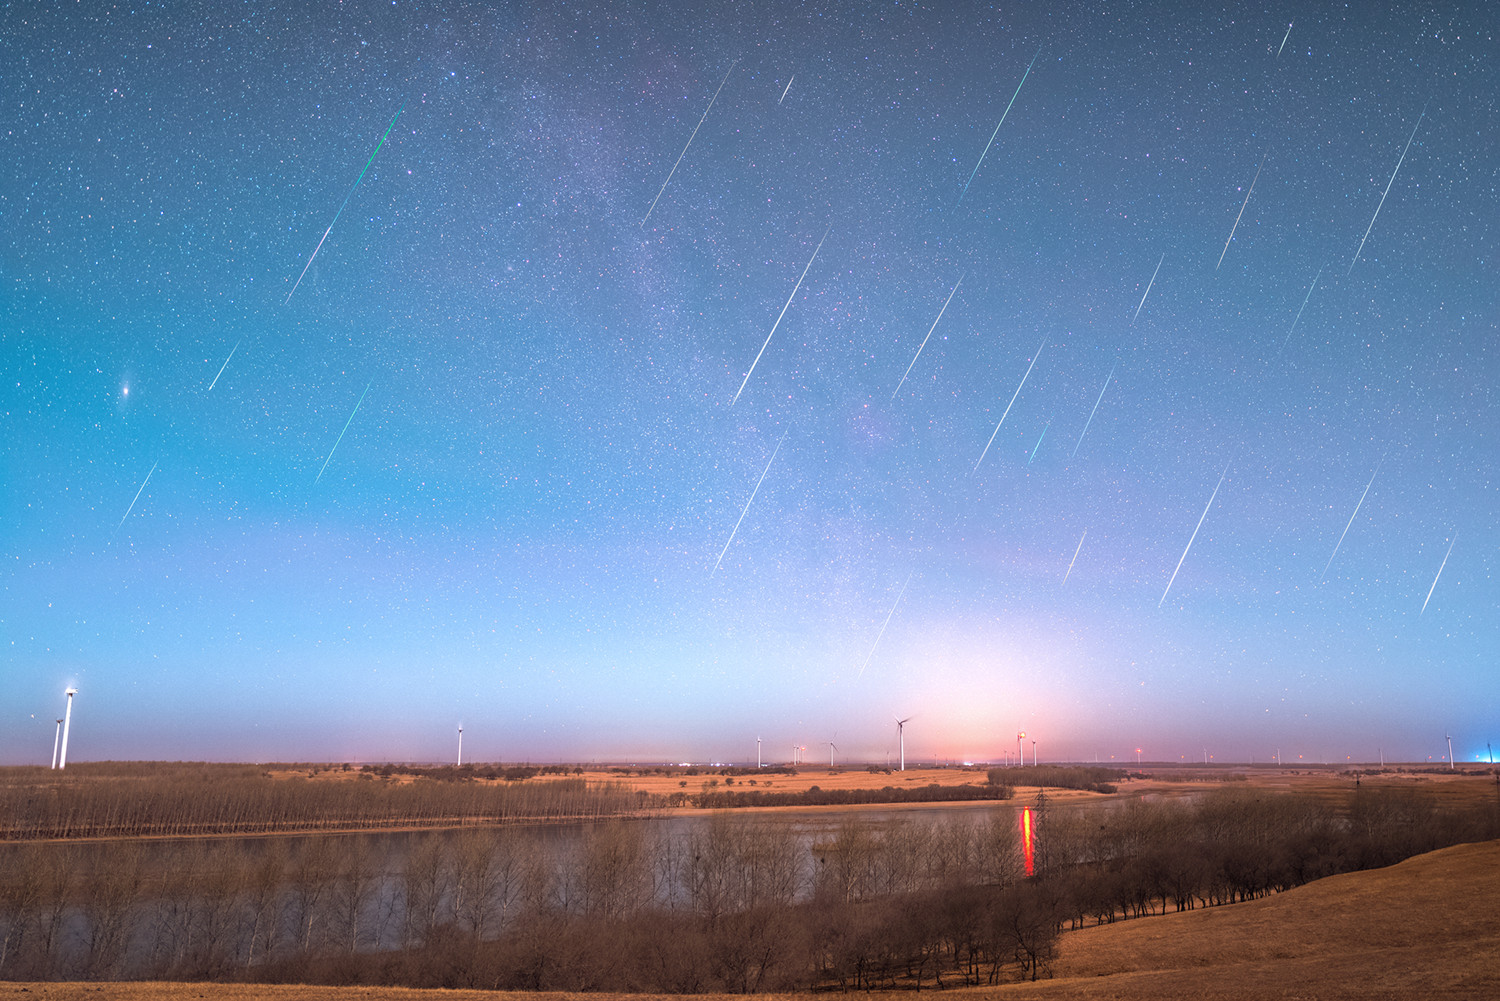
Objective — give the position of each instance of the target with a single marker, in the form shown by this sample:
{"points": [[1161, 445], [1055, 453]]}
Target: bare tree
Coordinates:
{"points": [[111, 892], [424, 880], [360, 871]]}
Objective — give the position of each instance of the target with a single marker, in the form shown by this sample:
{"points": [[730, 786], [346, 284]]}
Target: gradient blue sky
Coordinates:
{"points": [[519, 529]]}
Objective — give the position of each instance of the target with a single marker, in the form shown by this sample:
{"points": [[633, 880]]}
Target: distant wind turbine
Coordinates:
{"points": [[901, 735], [62, 757]]}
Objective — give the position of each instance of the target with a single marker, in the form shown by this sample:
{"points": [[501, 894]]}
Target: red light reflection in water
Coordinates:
{"points": [[1028, 840]]}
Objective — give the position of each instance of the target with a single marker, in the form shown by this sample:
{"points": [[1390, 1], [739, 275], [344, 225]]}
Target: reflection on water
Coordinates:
{"points": [[1028, 843]]}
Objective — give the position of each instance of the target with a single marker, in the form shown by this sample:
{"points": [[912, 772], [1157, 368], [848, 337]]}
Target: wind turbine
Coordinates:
{"points": [[757, 753], [62, 757], [1020, 751], [901, 736], [831, 748], [1450, 752], [56, 736], [460, 746]]}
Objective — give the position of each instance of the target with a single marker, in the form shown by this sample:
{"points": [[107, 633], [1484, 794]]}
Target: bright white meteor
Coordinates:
{"points": [[788, 87], [1085, 535], [784, 308], [137, 495], [882, 627], [1242, 209], [1310, 288], [222, 367], [1195, 533], [758, 482], [1351, 518], [340, 438], [995, 133], [1283, 39], [345, 203], [1439, 574], [690, 141], [929, 334], [1387, 189], [1086, 423], [1148, 288], [1009, 405]]}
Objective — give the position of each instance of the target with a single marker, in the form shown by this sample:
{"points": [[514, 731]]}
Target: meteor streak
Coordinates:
{"points": [[1299, 310], [137, 495], [341, 434], [222, 367], [929, 334], [1351, 519], [1038, 443], [690, 141], [1008, 406], [1283, 40], [1387, 189], [1148, 288], [1439, 574], [788, 87], [758, 482], [882, 628], [340, 212], [1086, 423], [1195, 533], [993, 134], [1242, 209], [1085, 535], [779, 316]]}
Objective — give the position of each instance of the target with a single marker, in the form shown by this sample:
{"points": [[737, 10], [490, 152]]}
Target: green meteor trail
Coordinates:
{"points": [[350, 195]]}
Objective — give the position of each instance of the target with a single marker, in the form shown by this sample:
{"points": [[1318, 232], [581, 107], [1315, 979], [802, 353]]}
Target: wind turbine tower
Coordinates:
{"points": [[1450, 752], [1020, 752], [62, 756], [831, 748], [460, 762], [757, 753], [901, 736], [56, 736]]}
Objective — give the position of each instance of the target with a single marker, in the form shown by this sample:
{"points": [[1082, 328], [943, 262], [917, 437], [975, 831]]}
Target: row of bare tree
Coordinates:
{"points": [[190, 800], [727, 903]]}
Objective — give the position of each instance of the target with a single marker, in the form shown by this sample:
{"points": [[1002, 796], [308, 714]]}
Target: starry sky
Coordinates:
{"points": [[1162, 415]]}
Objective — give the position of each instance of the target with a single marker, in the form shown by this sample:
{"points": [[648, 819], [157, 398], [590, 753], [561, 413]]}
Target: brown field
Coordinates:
{"points": [[1459, 787], [1420, 929]]}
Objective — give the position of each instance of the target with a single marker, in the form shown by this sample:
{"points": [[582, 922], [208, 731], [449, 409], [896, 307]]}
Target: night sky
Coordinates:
{"points": [[481, 466]]}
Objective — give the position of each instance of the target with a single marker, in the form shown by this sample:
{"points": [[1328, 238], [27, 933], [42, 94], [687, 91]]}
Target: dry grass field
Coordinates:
{"points": [[1459, 787], [1420, 929]]}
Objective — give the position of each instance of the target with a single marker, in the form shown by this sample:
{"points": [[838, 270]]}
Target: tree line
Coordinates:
{"points": [[205, 799], [728, 903], [1103, 780], [711, 799]]}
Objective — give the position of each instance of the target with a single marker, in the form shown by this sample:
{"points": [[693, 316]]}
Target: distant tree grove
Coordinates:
{"points": [[185, 800], [729, 903]]}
